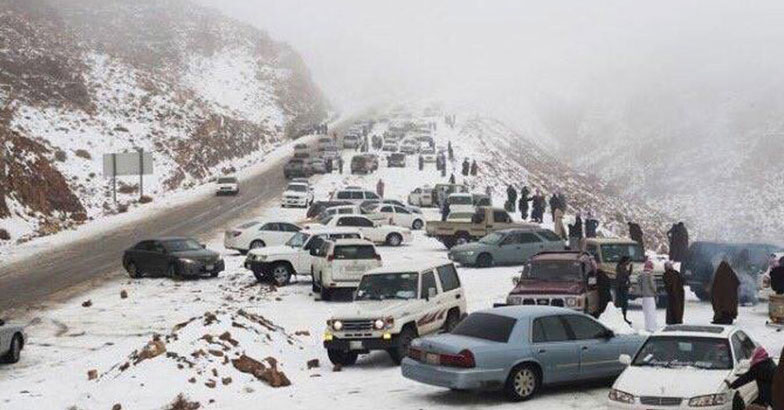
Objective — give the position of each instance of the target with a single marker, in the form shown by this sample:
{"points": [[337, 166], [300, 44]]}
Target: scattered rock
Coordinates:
{"points": [[216, 353], [81, 153], [145, 199], [4, 235], [123, 294], [92, 374], [210, 383], [226, 381], [87, 303], [125, 366], [271, 375], [117, 406], [312, 364], [153, 349], [337, 368], [226, 337], [192, 380], [302, 333], [181, 403]]}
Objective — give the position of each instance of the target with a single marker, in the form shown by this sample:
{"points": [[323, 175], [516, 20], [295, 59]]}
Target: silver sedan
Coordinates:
{"points": [[519, 349]]}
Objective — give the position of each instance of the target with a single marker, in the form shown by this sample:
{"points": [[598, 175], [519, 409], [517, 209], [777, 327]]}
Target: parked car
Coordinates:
{"points": [[428, 154], [325, 141], [338, 210], [258, 234], [297, 194], [296, 168], [396, 215], [329, 153], [562, 279], [370, 204], [518, 350], [227, 186], [350, 141], [442, 191], [393, 306], [396, 160], [484, 221], [389, 147], [608, 252], [354, 195], [340, 264], [317, 165], [173, 257], [461, 202], [685, 366], [507, 247], [317, 207], [377, 233], [280, 263], [409, 147], [422, 196], [303, 155], [703, 258], [301, 147], [12, 341], [361, 164]]}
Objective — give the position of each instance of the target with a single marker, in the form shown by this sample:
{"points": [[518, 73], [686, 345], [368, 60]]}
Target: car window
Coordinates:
{"points": [[286, 227], [386, 209], [363, 222], [447, 274], [142, 246], [501, 216], [401, 210], [356, 195], [510, 239], [248, 225], [486, 326], [747, 346], [344, 195], [345, 211], [343, 252], [269, 227], [549, 236], [584, 328], [157, 247], [428, 281], [549, 329], [314, 243], [528, 237], [416, 191], [371, 195]]}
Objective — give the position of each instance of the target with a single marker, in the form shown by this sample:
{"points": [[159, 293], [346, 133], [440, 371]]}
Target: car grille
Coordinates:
{"points": [[357, 325], [660, 401], [544, 301]]}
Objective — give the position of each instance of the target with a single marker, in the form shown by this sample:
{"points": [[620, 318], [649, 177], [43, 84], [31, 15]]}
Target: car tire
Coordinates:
{"points": [[452, 320], [281, 274], [484, 260], [523, 383], [133, 271], [15, 351], [394, 239], [417, 225], [341, 357], [258, 243], [404, 339]]}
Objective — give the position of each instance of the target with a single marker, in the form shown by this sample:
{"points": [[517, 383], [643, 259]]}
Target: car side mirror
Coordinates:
{"points": [[625, 359], [743, 366]]}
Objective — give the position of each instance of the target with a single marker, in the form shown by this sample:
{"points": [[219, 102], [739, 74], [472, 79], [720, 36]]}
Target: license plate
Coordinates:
{"points": [[354, 268], [210, 267], [432, 358], [355, 345]]}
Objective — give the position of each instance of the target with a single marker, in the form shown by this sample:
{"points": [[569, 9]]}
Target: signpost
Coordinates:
{"points": [[127, 163]]}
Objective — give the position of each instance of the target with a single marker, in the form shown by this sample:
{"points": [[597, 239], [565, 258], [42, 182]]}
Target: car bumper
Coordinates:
{"points": [[294, 202], [199, 269], [453, 378], [684, 405], [361, 344], [462, 258], [227, 190], [258, 267]]}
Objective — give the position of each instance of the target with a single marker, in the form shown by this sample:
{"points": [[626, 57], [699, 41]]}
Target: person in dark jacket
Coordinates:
{"points": [[777, 278], [673, 284], [522, 205], [623, 273], [444, 211], [340, 164], [466, 167], [474, 168], [449, 150], [635, 233], [603, 285], [578, 226], [553, 205], [421, 163], [591, 225], [452, 179], [538, 207], [762, 371], [724, 294], [562, 202], [777, 388]]}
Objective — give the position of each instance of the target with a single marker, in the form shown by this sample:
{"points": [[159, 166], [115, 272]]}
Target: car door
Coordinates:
{"points": [[428, 321], [141, 255], [287, 230], [304, 260], [743, 349], [386, 215], [530, 245], [507, 249], [450, 288], [158, 258], [554, 349], [403, 217], [368, 229], [268, 233], [598, 352]]}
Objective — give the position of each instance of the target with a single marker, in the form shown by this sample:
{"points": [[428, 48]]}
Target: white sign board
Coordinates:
{"points": [[127, 163]]}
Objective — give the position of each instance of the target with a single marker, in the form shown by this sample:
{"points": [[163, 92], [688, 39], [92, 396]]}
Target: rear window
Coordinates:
{"points": [[344, 195], [486, 326], [227, 180], [354, 252]]}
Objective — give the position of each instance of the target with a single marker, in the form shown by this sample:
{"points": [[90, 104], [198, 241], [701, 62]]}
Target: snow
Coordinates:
{"points": [[67, 340]]}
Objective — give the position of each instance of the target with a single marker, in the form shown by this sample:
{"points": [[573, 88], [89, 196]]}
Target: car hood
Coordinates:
{"points": [[281, 250], [375, 309], [197, 254], [539, 287], [467, 247], [685, 382]]}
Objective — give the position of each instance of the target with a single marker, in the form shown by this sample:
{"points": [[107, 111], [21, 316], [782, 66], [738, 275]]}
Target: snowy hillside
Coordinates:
{"points": [[205, 94]]}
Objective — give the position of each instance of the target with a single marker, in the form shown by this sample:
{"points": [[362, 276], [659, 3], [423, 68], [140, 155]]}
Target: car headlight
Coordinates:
{"points": [[337, 325], [708, 400], [378, 324], [621, 396], [187, 261], [261, 257], [571, 302], [468, 253]]}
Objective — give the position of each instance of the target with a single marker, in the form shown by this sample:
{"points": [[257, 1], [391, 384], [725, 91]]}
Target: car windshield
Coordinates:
{"points": [[388, 286], [612, 253], [461, 200], [553, 271], [297, 188], [492, 238], [227, 180], [685, 351], [486, 326], [298, 240], [181, 245]]}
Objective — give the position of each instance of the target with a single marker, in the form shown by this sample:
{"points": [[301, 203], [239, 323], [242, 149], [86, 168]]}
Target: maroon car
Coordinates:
{"points": [[563, 279]]}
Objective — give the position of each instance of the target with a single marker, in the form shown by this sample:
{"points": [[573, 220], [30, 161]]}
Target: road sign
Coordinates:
{"points": [[127, 163]]}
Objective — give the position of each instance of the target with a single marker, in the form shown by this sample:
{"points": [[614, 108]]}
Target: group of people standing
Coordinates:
{"points": [[470, 168]]}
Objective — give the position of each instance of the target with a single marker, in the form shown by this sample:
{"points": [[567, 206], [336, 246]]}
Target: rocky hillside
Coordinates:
{"points": [[80, 78]]}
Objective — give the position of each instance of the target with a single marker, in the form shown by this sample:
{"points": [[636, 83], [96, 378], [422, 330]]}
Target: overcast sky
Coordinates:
{"points": [[508, 55]]}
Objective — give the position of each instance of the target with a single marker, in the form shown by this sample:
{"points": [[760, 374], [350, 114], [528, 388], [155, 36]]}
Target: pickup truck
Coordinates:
{"points": [[485, 220]]}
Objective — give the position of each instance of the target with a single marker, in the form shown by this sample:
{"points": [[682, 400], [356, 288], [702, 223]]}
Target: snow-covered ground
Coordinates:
{"points": [[66, 341]]}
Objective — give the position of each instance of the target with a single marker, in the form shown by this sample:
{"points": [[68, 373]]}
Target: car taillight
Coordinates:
{"points": [[463, 359], [236, 233], [377, 257], [415, 354]]}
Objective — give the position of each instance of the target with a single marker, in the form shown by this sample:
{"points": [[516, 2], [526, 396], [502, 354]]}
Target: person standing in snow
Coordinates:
{"points": [[591, 226], [558, 225], [466, 167], [450, 152], [489, 191], [523, 203], [648, 291], [474, 168], [444, 211], [724, 294], [340, 164], [623, 274], [511, 198], [452, 179], [576, 233], [603, 285], [777, 388], [635, 233], [538, 207], [673, 284], [762, 371], [777, 277], [553, 205], [421, 163], [380, 188]]}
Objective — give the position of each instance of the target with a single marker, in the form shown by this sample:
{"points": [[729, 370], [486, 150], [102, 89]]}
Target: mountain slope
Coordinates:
{"points": [[80, 78]]}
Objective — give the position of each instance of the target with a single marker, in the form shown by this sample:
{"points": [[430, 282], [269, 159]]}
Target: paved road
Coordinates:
{"points": [[62, 273]]}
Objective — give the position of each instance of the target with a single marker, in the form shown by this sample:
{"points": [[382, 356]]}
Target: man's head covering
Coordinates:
{"points": [[759, 355], [648, 266]]}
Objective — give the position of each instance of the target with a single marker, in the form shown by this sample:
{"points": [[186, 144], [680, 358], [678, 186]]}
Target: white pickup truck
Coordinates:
{"points": [[393, 306], [280, 263]]}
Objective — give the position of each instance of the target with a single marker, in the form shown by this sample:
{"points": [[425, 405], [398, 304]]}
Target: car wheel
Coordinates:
{"points": [[417, 225], [281, 274], [257, 244], [341, 357], [14, 353], [394, 239], [484, 260], [522, 383], [404, 342], [133, 271], [452, 319]]}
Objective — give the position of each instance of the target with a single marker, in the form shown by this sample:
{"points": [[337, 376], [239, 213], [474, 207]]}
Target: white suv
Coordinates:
{"points": [[299, 194], [396, 215], [392, 306], [258, 234], [280, 263], [423, 196], [341, 263], [382, 234], [227, 185], [354, 195]]}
